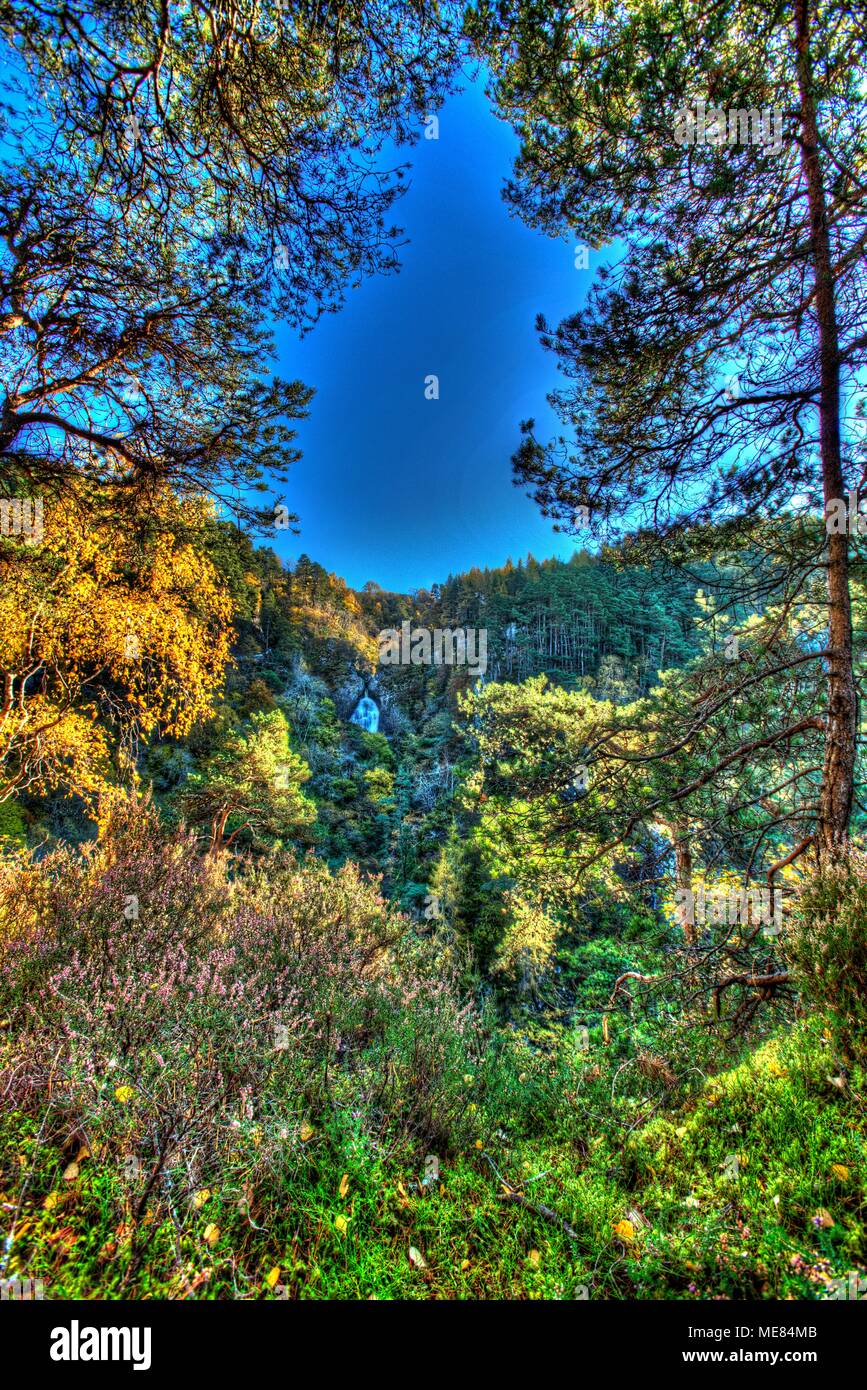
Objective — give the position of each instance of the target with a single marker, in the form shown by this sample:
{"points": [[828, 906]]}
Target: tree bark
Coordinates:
{"points": [[838, 773], [683, 871], [218, 828]]}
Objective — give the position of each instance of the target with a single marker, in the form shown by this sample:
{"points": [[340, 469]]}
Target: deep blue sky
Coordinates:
{"points": [[396, 488]]}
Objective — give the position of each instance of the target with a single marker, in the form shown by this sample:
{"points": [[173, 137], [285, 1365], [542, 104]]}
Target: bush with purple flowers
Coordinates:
{"points": [[192, 1024]]}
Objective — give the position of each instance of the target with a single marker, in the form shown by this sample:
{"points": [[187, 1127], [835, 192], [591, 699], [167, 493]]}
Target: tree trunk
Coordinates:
{"points": [[218, 829], [683, 871], [841, 729]]}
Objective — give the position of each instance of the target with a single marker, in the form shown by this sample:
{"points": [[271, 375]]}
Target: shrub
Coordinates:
{"points": [[196, 1023]]}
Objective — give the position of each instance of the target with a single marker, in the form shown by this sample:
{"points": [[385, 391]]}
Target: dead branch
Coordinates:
{"points": [[546, 1213], [766, 983]]}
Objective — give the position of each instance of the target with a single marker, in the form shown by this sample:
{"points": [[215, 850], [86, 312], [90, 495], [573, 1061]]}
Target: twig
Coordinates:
{"points": [[520, 1200], [540, 1210]]}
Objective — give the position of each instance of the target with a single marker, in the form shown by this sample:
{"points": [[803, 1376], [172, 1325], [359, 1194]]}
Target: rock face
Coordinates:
{"points": [[361, 686], [351, 690]]}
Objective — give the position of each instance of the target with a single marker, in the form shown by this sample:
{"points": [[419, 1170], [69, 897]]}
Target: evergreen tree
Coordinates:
{"points": [[714, 372]]}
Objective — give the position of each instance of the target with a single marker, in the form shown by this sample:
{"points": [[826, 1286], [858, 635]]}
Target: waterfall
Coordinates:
{"points": [[366, 715]]}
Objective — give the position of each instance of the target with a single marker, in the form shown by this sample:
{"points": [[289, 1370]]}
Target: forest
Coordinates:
{"points": [[539, 977]]}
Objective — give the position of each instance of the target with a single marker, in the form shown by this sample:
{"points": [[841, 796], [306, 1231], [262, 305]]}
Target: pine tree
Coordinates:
{"points": [[713, 373]]}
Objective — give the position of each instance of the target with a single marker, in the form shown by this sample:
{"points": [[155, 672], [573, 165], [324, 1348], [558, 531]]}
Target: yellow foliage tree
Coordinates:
{"points": [[111, 628]]}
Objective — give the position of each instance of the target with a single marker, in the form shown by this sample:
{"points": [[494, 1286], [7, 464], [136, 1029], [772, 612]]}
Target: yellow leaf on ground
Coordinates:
{"points": [[840, 1171], [344, 1185], [212, 1233], [341, 1222], [307, 1132], [625, 1230], [534, 1258], [273, 1277], [70, 1172], [51, 1200], [124, 1094], [201, 1198], [465, 1264]]}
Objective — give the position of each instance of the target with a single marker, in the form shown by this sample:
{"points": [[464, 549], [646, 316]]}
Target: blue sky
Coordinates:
{"points": [[404, 490]]}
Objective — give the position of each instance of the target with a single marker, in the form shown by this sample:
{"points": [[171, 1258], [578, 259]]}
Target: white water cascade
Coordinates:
{"points": [[366, 715]]}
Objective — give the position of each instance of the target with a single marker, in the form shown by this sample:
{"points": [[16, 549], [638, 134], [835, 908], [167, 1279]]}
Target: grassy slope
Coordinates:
{"points": [[792, 1216]]}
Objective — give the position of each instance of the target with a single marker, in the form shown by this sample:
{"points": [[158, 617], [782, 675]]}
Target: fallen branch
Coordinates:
{"points": [[545, 1212]]}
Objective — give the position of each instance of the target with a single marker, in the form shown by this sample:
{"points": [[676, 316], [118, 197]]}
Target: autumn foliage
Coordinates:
{"points": [[110, 634]]}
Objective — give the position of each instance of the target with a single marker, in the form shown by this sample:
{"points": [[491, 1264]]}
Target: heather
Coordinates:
{"points": [[188, 1028], [257, 1079]]}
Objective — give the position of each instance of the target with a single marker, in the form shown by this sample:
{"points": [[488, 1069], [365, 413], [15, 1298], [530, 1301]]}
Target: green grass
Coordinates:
{"points": [[779, 1226]]}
